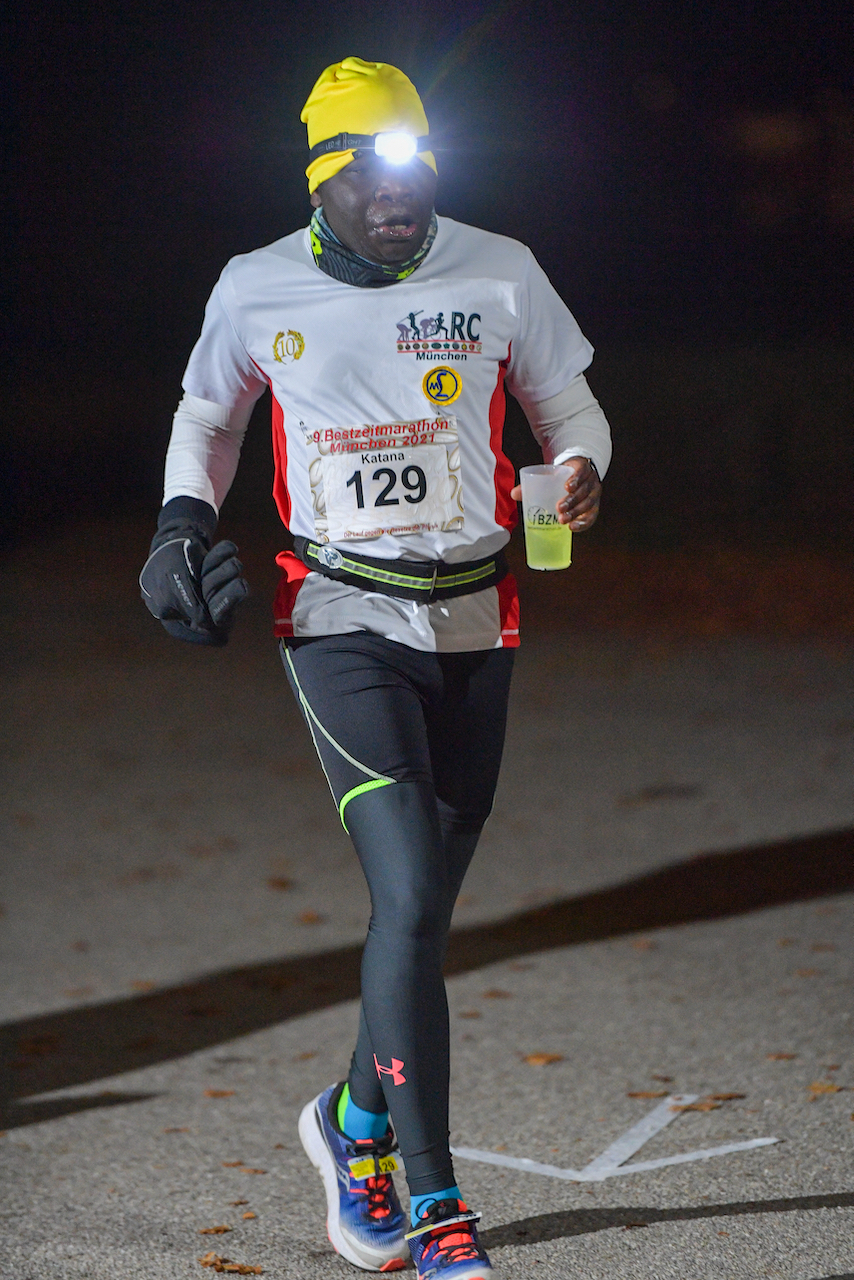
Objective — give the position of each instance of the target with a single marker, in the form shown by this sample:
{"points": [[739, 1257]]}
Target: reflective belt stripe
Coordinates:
{"points": [[427, 585], [473, 575], [378, 575], [383, 575]]}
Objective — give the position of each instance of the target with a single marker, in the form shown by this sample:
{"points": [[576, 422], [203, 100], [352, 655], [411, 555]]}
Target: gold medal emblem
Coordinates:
{"points": [[288, 347]]}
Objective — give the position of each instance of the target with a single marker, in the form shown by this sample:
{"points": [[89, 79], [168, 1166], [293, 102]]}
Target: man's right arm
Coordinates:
{"points": [[191, 585], [204, 449]]}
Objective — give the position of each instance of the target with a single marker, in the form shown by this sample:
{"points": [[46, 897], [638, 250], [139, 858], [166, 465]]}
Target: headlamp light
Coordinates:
{"points": [[395, 147]]}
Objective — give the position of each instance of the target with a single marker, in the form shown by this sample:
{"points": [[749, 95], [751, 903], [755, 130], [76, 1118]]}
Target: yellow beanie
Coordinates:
{"points": [[360, 97]]}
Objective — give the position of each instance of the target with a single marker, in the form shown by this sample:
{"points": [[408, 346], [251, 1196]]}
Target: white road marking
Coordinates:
{"points": [[611, 1163], [633, 1139]]}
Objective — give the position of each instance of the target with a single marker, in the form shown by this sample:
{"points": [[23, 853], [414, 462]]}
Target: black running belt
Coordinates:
{"points": [[423, 580]]}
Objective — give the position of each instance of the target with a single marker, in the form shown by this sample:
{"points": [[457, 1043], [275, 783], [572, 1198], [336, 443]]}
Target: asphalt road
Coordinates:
{"points": [[662, 904]]}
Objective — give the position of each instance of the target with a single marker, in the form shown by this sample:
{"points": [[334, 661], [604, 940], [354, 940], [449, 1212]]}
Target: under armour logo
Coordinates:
{"points": [[395, 1070]]}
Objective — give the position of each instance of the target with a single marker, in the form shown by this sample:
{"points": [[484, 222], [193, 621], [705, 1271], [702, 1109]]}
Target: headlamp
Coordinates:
{"points": [[396, 147]]}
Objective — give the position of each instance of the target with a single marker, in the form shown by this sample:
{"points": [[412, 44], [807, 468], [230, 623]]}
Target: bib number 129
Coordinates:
{"points": [[412, 478], [406, 489]]}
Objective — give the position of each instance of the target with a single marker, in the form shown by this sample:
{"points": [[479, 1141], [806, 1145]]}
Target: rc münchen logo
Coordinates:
{"points": [[442, 385]]}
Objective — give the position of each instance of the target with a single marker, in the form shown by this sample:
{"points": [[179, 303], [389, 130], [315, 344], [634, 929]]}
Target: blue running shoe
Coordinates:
{"points": [[364, 1220], [445, 1245]]}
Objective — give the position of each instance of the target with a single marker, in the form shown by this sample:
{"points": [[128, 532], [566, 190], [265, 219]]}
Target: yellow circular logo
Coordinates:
{"points": [[442, 384], [288, 347]]}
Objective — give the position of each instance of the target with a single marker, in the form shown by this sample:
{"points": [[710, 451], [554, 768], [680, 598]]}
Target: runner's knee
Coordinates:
{"points": [[462, 819], [399, 840], [410, 909]]}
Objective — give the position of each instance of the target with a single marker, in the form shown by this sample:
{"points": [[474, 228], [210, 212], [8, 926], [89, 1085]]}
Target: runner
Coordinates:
{"points": [[397, 616]]}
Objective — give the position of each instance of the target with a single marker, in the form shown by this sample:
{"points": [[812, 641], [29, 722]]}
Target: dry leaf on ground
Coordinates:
{"points": [[232, 1268], [310, 917], [542, 1059], [281, 883], [175, 1129], [823, 946], [249, 1214], [824, 1086], [726, 1097], [631, 1226], [214, 1231], [245, 1170], [231, 1164], [469, 1013], [304, 1057], [705, 1105], [219, 1093], [237, 1202], [647, 1093], [495, 993], [780, 1057], [663, 1079], [644, 944]]}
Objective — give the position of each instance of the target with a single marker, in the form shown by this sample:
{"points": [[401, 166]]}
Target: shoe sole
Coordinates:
{"points": [[354, 1251], [479, 1272]]}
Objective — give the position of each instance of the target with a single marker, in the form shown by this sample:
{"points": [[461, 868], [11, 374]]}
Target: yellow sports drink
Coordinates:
{"points": [[548, 544]]}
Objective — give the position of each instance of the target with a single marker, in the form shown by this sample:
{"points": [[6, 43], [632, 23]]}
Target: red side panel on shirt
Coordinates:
{"points": [[505, 477], [294, 574], [280, 461], [280, 455], [508, 611], [294, 571]]}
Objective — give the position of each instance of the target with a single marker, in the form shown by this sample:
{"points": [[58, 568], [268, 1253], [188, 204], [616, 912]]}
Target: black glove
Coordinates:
{"points": [[192, 588]]}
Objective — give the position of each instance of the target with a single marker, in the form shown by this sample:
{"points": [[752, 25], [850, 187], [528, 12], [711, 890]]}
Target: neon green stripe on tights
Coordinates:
{"points": [[358, 791]]}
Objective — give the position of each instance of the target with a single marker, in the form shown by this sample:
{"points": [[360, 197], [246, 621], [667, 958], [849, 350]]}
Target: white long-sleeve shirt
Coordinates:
{"points": [[388, 410]]}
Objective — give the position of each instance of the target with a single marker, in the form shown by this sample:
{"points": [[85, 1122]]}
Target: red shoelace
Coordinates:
{"points": [[377, 1190], [452, 1243]]}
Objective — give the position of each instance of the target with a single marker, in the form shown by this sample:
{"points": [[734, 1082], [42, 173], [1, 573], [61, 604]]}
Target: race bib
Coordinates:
{"points": [[400, 477], [368, 1167]]}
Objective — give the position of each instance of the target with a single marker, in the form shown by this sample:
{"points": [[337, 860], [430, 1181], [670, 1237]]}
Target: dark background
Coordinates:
{"points": [[683, 171]]}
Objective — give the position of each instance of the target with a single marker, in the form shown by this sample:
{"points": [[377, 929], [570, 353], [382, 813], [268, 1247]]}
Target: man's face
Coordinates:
{"points": [[380, 210]]}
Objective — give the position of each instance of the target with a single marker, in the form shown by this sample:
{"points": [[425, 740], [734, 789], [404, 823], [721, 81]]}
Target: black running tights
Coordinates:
{"points": [[411, 744]]}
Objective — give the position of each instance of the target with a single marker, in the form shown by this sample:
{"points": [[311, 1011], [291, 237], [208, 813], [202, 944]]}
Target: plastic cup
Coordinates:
{"points": [[548, 544]]}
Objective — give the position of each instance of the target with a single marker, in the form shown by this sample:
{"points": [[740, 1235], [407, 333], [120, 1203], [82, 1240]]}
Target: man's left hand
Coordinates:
{"points": [[580, 507]]}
